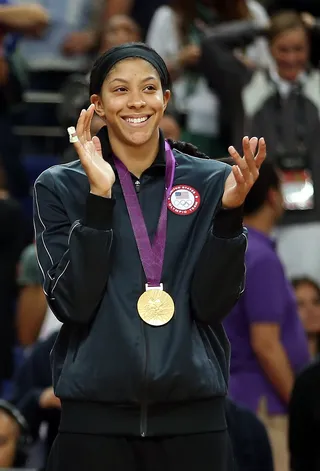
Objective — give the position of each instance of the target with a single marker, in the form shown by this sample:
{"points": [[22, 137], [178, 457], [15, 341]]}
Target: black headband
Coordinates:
{"points": [[104, 64]]}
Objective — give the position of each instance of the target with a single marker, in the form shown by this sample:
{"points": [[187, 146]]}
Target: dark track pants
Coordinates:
{"points": [[83, 452]]}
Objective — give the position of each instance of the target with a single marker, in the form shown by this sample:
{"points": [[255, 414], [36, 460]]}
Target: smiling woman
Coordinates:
{"points": [[141, 262], [135, 106]]}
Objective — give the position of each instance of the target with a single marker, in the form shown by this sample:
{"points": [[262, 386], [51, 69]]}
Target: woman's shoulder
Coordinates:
{"points": [[201, 165], [52, 176]]}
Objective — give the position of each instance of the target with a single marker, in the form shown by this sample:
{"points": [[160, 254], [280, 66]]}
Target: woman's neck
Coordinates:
{"points": [[136, 158]]}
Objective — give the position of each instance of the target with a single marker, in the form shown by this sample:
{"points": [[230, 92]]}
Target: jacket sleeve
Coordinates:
{"points": [[235, 34], [219, 276], [74, 257]]}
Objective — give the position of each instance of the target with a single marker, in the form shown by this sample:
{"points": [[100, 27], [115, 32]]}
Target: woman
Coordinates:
{"points": [[308, 297], [176, 33], [283, 101], [140, 364]]}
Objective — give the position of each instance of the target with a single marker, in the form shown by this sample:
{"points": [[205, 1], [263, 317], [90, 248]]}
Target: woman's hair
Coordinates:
{"points": [[284, 21], [227, 10], [305, 280], [187, 148], [105, 63]]}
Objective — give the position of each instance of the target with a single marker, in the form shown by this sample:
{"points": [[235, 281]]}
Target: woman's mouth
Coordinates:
{"points": [[136, 120]]}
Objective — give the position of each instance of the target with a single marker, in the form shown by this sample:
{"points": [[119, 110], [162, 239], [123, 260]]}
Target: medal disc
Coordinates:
{"points": [[155, 307]]}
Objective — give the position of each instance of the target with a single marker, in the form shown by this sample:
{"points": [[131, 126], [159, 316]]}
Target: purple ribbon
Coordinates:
{"points": [[151, 255]]}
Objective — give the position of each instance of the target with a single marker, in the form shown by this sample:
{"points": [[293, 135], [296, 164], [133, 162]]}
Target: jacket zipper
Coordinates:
{"points": [[144, 402]]}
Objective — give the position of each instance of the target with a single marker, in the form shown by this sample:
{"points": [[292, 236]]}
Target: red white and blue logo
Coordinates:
{"points": [[183, 200]]}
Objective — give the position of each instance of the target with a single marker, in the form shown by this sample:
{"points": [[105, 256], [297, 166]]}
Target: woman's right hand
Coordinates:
{"points": [[99, 172]]}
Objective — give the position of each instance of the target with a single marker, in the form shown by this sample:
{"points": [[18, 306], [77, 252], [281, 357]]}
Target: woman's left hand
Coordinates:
{"points": [[244, 173]]}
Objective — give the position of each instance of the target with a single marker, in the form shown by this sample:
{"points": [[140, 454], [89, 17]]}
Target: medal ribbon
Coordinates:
{"points": [[151, 255]]}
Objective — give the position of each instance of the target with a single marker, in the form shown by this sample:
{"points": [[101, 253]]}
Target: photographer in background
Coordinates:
{"points": [[281, 102]]}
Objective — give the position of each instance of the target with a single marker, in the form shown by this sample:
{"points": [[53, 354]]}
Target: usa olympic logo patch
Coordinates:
{"points": [[183, 200]]}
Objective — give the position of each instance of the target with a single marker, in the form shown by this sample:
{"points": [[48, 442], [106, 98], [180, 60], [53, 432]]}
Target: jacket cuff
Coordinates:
{"points": [[228, 223], [99, 212]]}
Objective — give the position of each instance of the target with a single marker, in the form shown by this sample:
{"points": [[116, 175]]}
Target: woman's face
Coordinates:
{"points": [[290, 51], [309, 307], [132, 101]]}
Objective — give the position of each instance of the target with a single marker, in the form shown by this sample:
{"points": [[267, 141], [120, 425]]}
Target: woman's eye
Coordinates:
{"points": [[150, 88], [120, 89]]}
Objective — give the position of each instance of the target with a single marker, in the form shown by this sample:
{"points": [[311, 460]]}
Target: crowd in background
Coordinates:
{"points": [[239, 67]]}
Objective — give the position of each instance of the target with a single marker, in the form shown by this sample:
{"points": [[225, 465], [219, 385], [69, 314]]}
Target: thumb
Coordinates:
{"points": [[97, 144]]}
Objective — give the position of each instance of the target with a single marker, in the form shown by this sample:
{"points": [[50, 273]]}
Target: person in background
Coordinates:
{"points": [[283, 103], [170, 127], [308, 298], [33, 393], [268, 343], [304, 420], [27, 20], [14, 437], [34, 319], [249, 438], [12, 240], [176, 32], [301, 7]]}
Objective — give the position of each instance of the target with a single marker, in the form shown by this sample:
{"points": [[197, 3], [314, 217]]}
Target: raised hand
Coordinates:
{"points": [[99, 172], [244, 173]]}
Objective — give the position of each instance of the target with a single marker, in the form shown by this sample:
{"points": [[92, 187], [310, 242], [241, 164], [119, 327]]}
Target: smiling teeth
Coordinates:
{"points": [[137, 120]]}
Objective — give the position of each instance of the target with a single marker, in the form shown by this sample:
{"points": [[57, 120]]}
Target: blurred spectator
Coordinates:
{"points": [[250, 442], [11, 244], [301, 6], [35, 320], [308, 297], [28, 20], [170, 127], [282, 104], [33, 393], [118, 30], [176, 33], [304, 420], [73, 33], [268, 342], [14, 437], [139, 10]]}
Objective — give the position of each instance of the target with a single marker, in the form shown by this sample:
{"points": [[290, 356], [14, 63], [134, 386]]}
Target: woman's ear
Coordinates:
{"points": [[166, 98], [96, 100]]}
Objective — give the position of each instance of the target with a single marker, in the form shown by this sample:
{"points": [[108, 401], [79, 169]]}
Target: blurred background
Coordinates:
{"points": [[239, 67]]}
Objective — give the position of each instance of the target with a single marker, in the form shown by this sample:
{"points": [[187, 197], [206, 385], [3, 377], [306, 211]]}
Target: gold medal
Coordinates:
{"points": [[155, 307]]}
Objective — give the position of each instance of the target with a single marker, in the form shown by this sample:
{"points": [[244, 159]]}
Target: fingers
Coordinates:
{"points": [[241, 163], [84, 124], [250, 164], [87, 122], [80, 126], [239, 178], [262, 153], [249, 150], [78, 145], [97, 144]]}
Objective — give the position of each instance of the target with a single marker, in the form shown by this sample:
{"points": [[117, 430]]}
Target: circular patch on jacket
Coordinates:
{"points": [[183, 200]]}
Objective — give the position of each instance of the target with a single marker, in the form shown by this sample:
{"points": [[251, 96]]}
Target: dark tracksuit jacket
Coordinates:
{"points": [[115, 374]]}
